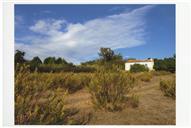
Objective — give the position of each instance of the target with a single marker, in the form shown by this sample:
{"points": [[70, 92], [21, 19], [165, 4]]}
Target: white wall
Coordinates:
{"points": [[148, 64]]}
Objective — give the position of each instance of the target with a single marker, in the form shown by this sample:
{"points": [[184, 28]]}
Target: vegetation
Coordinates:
{"points": [[42, 88], [39, 98], [110, 60], [108, 89], [19, 57], [50, 64], [138, 68], [56, 68], [168, 87], [106, 54], [160, 73], [166, 64], [34, 104], [146, 77], [134, 100]]}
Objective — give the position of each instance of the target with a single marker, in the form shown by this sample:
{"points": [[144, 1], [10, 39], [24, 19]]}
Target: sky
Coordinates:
{"points": [[77, 32]]}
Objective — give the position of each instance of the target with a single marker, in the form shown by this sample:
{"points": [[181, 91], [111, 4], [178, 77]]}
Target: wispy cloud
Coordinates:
{"points": [[80, 42], [18, 20], [49, 27], [119, 8]]}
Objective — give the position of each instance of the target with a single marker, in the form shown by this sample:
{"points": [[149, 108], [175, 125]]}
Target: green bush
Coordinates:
{"points": [[108, 89], [138, 68], [166, 64], [56, 68], [168, 87]]}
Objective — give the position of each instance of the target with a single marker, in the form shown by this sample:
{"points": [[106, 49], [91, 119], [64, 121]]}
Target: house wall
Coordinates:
{"points": [[148, 64]]}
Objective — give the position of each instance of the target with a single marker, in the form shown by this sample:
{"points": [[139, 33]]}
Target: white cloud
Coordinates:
{"points": [[79, 42], [49, 27]]}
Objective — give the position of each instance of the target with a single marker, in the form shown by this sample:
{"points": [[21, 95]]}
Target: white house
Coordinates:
{"points": [[149, 63]]}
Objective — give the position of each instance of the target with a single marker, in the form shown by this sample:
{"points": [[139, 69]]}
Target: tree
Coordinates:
{"points": [[166, 64], [60, 61], [49, 60], [106, 54], [36, 61], [19, 57], [131, 59]]}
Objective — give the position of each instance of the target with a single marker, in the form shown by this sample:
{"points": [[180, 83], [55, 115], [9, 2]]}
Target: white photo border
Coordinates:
{"points": [[183, 54]]}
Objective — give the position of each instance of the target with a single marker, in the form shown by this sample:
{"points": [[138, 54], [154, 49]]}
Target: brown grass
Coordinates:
{"points": [[153, 108], [43, 99]]}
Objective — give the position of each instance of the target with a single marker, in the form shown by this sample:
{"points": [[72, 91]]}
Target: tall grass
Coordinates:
{"points": [[168, 87], [40, 97]]}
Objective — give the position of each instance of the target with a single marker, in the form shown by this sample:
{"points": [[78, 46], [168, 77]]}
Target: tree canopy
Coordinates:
{"points": [[19, 57], [36, 60], [106, 54], [166, 64]]}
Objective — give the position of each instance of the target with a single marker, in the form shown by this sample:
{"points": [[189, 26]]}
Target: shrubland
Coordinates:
{"points": [[39, 97], [109, 89], [166, 64], [144, 76], [42, 87], [168, 87]]}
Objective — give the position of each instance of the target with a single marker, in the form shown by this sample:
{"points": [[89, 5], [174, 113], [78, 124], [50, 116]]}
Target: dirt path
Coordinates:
{"points": [[154, 108]]}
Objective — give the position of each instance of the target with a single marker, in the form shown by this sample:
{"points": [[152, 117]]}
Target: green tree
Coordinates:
{"points": [[60, 61], [19, 57], [106, 54], [166, 64], [36, 61], [131, 59], [50, 60]]}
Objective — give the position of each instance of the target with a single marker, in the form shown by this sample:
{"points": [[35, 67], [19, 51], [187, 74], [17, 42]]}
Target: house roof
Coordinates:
{"points": [[132, 61]]}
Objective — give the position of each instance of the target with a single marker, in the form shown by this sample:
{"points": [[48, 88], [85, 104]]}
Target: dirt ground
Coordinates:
{"points": [[154, 108]]}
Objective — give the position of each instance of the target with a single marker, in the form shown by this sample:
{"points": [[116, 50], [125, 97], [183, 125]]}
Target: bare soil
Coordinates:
{"points": [[154, 108]]}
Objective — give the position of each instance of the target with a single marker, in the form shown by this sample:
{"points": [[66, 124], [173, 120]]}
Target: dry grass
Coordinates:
{"points": [[146, 104], [168, 87], [153, 107]]}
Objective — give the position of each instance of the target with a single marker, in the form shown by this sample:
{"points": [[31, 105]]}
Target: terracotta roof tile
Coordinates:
{"points": [[131, 61]]}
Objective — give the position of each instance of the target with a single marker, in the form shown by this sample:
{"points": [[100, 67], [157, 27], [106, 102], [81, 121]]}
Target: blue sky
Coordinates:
{"points": [[76, 32]]}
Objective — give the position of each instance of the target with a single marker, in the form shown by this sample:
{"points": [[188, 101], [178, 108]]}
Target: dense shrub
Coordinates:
{"points": [[146, 77], [138, 68], [64, 68], [166, 64], [70, 81], [31, 106], [46, 110], [39, 97], [108, 89], [168, 87]]}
